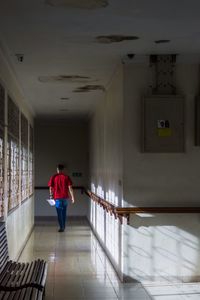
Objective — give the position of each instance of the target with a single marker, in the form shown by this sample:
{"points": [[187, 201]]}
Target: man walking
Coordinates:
{"points": [[60, 186]]}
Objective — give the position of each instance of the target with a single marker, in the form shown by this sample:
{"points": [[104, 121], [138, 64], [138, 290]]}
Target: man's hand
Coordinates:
{"points": [[51, 192], [71, 193], [73, 200]]}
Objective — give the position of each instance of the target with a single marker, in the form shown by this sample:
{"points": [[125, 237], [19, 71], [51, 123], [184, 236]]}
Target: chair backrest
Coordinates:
{"points": [[4, 256]]}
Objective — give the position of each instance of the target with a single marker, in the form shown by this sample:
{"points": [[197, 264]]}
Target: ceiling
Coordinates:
{"points": [[70, 48]]}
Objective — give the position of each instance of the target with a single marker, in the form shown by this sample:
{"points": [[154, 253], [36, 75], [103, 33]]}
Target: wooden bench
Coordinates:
{"points": [[28, 293], [20, 280]]}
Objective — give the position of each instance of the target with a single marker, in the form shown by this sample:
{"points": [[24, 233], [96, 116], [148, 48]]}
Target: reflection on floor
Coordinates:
{"points": [[79, 269]]}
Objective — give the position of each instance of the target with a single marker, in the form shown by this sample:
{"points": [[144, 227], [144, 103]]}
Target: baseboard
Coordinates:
{"points": [[117, 271]]}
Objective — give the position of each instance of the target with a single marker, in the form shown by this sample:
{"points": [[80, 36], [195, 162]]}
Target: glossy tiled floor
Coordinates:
{"points": [[79, 269]]}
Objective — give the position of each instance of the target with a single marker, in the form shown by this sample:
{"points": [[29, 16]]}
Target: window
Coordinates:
{"points": [[30, 161], [13, 155], [2, 106], [24, 158], [2, 123], [1, 172]]}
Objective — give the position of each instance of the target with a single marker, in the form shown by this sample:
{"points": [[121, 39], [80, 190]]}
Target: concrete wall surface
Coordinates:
{"points": [[20, 221], [106, 166], [160, 246], [159, 179], [19, 226]]}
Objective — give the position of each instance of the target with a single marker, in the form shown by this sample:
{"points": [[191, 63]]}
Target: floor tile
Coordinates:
{"points": [[78, 268]]}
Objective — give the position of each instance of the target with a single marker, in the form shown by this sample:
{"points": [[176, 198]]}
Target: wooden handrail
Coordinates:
{"points": [[102, 202], [109, 207], [124, 212], [171, 210]]}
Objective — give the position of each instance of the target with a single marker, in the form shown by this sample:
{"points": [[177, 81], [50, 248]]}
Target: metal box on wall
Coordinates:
{"points": [[163, 124]]}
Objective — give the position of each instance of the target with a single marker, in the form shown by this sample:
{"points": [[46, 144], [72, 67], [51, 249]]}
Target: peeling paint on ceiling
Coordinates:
{"points": [[162, 41], [66, 78], [84, 4], [108, 39], [89, 88], [64, 98]]}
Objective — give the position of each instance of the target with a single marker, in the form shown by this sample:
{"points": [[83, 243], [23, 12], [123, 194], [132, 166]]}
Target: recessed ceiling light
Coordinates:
{"points": [[162, 41]]}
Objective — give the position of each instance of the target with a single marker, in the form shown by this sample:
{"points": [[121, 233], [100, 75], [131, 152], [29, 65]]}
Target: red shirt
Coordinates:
{"points": [[60, 184]]}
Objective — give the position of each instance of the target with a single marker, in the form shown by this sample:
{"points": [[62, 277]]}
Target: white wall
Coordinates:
{"points": [[153, 179], [19, 226], [61, 142], [106, 166], [162, 246], [20, 221], [106, 142], [43, 209]]}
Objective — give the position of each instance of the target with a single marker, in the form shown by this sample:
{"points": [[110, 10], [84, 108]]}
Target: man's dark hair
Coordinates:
{"points": [[60, 167]]}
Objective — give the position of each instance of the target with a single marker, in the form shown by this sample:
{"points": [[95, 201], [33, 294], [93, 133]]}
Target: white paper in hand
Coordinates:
{"points": [[51, 202]]}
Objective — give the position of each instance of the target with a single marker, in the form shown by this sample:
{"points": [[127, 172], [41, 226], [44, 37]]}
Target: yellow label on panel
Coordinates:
{"points": [[164, 132]]}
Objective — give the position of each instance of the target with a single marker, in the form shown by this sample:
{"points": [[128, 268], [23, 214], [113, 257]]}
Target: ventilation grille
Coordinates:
{"points": [[164, 66]]}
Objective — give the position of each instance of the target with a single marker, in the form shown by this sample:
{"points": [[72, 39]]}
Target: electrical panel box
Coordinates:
{"points": [[163, 124]]}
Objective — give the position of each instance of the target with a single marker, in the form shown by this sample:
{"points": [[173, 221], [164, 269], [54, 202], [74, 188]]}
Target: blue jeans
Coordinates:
{"points": [[61, 207]]}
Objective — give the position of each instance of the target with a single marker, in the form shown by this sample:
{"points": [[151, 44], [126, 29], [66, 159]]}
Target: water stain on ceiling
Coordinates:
{"points": [[108, 39], [64, 98], [162, 41], [84, 4], [66, 78], [89, 88]]}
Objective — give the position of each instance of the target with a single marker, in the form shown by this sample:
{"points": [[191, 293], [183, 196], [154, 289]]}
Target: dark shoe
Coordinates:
{"points": [[61, 230]]}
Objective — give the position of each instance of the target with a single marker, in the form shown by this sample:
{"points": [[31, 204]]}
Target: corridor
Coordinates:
{"points": [[109, 89], [79, 269]]}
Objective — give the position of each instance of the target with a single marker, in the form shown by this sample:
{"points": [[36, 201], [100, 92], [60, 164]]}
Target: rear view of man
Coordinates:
{"points": [[60, 186]]}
